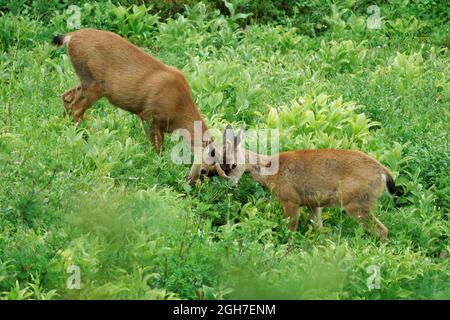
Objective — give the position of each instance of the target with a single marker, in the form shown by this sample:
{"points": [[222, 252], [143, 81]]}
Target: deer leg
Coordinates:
{"points": [[68, 97], [365, 217], [154, 132], [85, 100], [315, 215], [382, 231], [194, 174], [156, 138], [291, 211]]}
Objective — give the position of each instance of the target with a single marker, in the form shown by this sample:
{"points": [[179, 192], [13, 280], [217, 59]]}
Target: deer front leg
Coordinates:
{"points": [[291, 211], [194, 174], [316, 217], [157, 138], [69, 97], [154, 132]]}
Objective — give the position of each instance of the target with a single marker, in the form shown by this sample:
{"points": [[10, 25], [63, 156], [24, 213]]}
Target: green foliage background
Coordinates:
{"points": [[99, 197]]}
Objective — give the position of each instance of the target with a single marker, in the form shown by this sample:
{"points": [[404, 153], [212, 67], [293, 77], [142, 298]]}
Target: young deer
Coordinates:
{"points": [[110, 66], [315, 179]]}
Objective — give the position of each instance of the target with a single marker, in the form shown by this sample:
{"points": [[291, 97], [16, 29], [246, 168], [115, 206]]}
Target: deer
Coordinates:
{"points": [[312, 178], [112, 67]]}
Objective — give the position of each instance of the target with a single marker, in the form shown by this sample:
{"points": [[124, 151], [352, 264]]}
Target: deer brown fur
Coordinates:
{"points": [[317, 179], [110, 66]]}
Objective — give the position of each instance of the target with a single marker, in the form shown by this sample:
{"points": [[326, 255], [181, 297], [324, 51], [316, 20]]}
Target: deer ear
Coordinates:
{"points": [[240, 137], [228, 134], [267, 164]]}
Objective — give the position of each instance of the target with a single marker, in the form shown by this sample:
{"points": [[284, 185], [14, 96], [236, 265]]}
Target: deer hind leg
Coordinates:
{"points": [[315, 215], [363, 215], [88, 95], [68, 98], [291, 211]]}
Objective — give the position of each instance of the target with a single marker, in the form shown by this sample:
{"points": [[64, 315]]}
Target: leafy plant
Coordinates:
{"points": [[97, 196]]}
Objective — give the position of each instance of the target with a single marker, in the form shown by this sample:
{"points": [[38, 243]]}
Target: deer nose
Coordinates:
{"points": [[202, 174]]}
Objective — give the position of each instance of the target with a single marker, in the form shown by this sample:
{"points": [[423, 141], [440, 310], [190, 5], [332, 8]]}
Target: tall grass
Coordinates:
{"points": [[99, 197]]}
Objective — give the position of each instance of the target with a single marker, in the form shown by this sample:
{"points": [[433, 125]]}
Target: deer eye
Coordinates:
{"points": [[213, 153], [233, 166]]}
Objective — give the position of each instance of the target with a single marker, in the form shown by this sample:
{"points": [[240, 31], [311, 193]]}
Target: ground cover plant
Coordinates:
{"points": [[327, 74]]}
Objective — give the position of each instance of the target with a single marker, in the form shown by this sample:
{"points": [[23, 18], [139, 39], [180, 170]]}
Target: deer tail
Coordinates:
{"points": [[390, 184], [59, 40]]}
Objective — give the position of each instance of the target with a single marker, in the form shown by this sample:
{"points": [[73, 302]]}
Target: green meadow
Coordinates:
{"points": [[326, 74]]}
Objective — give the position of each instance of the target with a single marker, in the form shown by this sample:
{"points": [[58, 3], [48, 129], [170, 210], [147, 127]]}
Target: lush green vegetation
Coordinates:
{"points": [[98, 196]]}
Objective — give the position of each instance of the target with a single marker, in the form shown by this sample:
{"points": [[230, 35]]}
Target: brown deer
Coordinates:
{"points": [[313, 178], [110, 66]]}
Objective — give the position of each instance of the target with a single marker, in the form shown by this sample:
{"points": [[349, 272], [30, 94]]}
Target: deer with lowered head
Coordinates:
{"points": [[110, 66], [312, 178]]}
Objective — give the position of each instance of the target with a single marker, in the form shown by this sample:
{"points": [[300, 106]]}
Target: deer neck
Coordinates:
{"points": [[196, 127], [253, 163]]}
